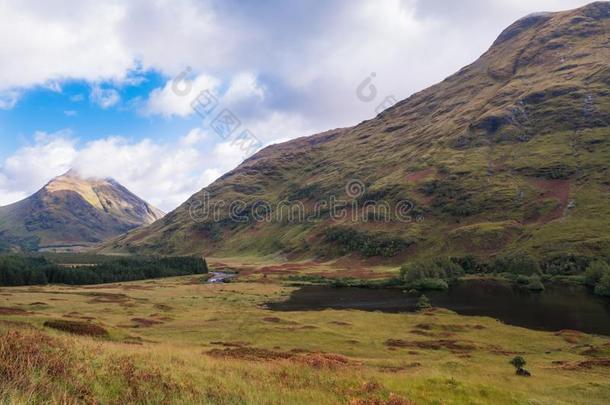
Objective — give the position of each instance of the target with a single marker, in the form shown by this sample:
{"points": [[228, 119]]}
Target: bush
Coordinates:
{"points": [[471, 264], [423, 303], [431, 274], [350, 240], [595, 272], [535, 284], [603, 286], [566, 264], [517, 264]]}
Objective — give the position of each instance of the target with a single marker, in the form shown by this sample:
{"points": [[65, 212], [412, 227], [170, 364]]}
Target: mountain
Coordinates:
{"points": [[73, 211], [510, 153]]}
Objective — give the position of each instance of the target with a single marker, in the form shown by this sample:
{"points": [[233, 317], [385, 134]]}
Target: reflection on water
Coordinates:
{"points": [[558, 307]]}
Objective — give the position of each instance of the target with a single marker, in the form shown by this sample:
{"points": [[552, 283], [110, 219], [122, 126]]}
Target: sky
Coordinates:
{"points": [[108, 87]]}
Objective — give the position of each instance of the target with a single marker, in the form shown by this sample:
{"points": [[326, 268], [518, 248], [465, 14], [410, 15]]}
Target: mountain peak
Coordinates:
{"points": [[74, 210]]}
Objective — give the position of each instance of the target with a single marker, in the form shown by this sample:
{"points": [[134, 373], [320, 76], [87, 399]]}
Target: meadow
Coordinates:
{"points": [[181, 340]]}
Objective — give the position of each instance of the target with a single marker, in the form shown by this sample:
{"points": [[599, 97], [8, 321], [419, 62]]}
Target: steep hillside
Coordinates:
{"points": [[72, 211], [510, 153]]}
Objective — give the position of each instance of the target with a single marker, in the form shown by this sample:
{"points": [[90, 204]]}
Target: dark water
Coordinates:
{"points": [[558, 307]]}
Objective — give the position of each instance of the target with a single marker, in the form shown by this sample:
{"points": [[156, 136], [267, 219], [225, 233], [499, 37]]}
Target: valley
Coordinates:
{"points": [[183, 340]]}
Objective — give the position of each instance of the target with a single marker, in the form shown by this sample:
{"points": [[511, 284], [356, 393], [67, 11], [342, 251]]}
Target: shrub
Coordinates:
{"points": [[430, 274], [565, 264], [535, 284], [518, 263], [440, 268], [518, 362], [423, 303], [603, 286], [77, 327], [595, 272], [368, 244]]}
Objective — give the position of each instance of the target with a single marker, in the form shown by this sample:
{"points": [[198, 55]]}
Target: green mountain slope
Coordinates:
{"points": [[510, 153], [72, 211]]}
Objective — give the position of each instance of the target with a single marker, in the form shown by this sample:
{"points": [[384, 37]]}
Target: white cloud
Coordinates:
{"points": [[244, 87], [168, 102], [70, 113], [8, 99], [163, 174], [105, 98], [194, 137], [30, 167]]}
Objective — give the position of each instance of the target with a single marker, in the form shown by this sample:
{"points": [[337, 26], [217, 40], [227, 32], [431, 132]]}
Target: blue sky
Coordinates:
{"points": [[89, 83]]}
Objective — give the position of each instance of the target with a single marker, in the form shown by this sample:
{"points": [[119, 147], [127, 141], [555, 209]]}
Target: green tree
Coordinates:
{"points": [[595, 272], [423, 303], [518, 362]]}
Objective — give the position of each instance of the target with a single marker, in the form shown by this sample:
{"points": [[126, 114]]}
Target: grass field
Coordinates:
{"points": [[180, 340]]}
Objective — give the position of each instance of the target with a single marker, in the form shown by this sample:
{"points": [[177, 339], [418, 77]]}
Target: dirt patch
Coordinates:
{"points": [[163, 307], [78, 315], [230, 344], [77, 328], [13, 311], [452, 345], [145, 322], [315, 360], [136, 287], [393, 399], [39, 304], [587, 364], [571, 336], [250, 353], [274, 319], [108, 298], [340, 323]]}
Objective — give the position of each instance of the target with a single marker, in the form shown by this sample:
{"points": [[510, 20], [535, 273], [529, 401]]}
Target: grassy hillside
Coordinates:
{"points": [[510, 153]]}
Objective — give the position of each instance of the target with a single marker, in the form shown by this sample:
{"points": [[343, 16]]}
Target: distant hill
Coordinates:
{"points": [[71, 211], [510, 153]]}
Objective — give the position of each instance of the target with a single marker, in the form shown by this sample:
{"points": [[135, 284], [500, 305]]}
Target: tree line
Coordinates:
{"points": [[36, 270]]}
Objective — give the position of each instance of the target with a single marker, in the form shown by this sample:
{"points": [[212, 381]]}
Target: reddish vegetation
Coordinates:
{"points": [[316, 360], [419, 175], [555, 189], [587, 364], [145, 322], [21, 353], [77, 328], [108, 298], [13, 311], [451, 345], [570, 336], [392, 400]]}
